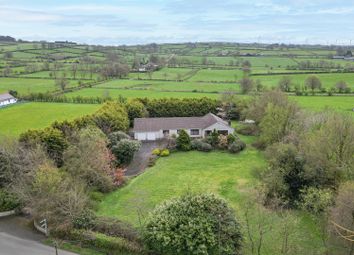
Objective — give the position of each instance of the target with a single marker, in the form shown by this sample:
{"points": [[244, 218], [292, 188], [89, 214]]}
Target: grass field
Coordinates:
{"points": [[25, 86], [317, 103], [328, 80], [222, 173], [115, 93], [18, 118]]}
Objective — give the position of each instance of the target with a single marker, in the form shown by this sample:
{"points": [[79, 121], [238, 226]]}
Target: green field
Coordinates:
{"points": [[18, 118], [328, 80], [317, 103], [25, 86], [115, 93], [222, 173]]}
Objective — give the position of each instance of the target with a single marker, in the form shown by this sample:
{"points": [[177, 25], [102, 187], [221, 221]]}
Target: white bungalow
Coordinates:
{"points": [[6, 99], [157, 128]]}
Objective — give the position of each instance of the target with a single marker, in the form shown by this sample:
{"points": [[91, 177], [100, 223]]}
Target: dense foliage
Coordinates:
{"points": [[183, 141], [193, 224]]}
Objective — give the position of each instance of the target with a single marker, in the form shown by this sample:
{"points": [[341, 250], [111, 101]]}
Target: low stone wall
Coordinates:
{"points": [[7, 213], [39, 228]]}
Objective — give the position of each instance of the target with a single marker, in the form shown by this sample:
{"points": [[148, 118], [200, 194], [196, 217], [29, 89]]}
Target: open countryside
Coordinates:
{"points": [[166, 134]]}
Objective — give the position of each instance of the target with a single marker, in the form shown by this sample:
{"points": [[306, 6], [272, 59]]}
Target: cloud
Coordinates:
{"points": [[139, 21]]}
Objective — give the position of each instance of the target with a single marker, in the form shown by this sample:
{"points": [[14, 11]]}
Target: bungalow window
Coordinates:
{"points": [[194, 131], [166, 132]]}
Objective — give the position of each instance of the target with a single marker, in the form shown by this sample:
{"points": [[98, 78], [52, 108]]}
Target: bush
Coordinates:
{"points": [[8, 201], [135, 109], [237, 146], [249, 129], [231, 138], [115, 227], [86, 220], [222, 142], [124, 151], [152, 161], [193, 224], [199, 145], [316, 200], [183, 141], [156, 152], [165, 153], [115, 137], [103, 242]]}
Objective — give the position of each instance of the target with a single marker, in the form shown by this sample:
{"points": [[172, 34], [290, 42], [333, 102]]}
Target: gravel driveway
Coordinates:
{"points": [[141, 157]]}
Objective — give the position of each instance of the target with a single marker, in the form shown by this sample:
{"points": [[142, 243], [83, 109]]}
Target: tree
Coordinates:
{"points": [[341, 86], [342, 218], [277, 122], [285, 83], [8, 54], [7, 71], [89, 160], [285, 176], [193, 224], [183, 141], [135, 109], [52, 195], [313, 82], [111, 117], [124, 151], [247, 85], [74, 68], [61, 82]]}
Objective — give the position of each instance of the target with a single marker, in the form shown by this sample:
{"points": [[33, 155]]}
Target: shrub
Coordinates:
{"points": [[156, 152], [165, 153], [183, 141], [8, 201], [199, 145], [152, 161], [124, 151], [222, 142], [316, 200], [231, 138], [193, 224], [249, 129], [214, 138], [237, 146], [171, 143], [86, 220], [115, 227], [115, 137]]}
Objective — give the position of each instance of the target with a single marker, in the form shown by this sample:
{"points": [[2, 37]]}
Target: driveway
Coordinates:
{"points": [[141, 157], [17, 238]]}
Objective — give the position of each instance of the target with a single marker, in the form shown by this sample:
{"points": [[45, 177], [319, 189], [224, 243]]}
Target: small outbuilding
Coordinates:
{"points": [[158, 128], [6, 99]]}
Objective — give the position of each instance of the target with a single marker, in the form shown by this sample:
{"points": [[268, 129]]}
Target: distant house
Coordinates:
{"points": [[158, 128], [6, 99], [148, 67]]}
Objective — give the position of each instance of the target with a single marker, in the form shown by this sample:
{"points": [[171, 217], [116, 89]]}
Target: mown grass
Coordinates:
{"points": [[18, 118], [227, 175]]}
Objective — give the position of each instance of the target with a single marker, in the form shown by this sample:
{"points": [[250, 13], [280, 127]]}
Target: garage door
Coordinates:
{"points": [[151, 136], [141, 136]]}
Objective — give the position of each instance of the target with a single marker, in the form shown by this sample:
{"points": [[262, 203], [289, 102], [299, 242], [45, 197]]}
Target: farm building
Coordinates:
{"points": [[158, 128], [6, 99]]}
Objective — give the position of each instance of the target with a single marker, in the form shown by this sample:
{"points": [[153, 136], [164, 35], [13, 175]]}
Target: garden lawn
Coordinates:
{"points": [[225, 174], [20, 117]]}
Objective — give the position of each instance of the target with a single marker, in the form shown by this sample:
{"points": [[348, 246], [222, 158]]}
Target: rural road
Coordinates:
{"points": [[16, 238], [12, 245]]}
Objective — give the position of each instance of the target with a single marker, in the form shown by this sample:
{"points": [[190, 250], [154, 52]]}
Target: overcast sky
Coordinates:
{"points": [[118, 22]]}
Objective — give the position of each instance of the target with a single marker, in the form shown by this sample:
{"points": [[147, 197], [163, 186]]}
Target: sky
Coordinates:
{"points": [[117, 22]]}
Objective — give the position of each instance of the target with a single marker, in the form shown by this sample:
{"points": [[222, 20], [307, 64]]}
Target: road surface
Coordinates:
{"points": [[12, 245], [17, 238]]}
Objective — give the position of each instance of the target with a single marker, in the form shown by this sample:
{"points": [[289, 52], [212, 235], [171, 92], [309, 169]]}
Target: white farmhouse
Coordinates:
{"points": [[6, 99], [157, 128]]}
